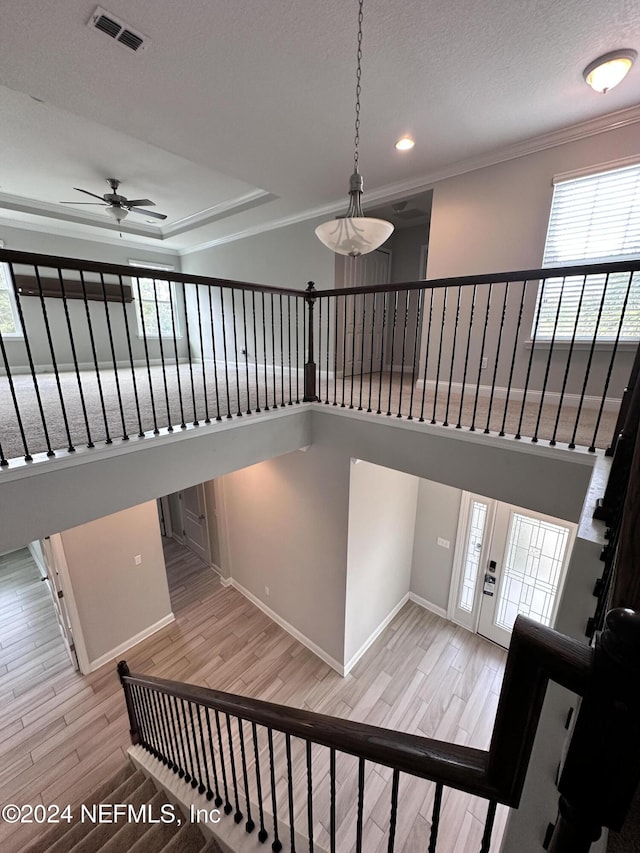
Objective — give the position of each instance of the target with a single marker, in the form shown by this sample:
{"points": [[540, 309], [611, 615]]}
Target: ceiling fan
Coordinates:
{"points": [[119, 206]]}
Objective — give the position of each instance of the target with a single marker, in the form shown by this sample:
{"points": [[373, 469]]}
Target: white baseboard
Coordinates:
{"points": [[611, 404], [428, 605], [333, 663], [226, 581], [132, 641], [90, 366], [385, 622]]}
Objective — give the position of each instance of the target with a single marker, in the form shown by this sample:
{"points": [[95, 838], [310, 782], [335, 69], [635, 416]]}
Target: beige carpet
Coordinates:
{"points": [[180, 396]]}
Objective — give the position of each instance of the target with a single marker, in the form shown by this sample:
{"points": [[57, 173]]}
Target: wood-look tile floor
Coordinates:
{"points": [[62, 733]]}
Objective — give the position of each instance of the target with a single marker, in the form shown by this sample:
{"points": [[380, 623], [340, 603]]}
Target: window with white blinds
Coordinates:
{"points": [[593, 218]]}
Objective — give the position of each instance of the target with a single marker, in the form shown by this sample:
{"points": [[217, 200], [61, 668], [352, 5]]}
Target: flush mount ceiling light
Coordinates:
{"points": [[354, 233], [406, 143], [607, 71]]}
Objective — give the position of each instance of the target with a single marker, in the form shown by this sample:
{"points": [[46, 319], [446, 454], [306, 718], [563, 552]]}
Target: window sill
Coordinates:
{"points": [[603, 346]]}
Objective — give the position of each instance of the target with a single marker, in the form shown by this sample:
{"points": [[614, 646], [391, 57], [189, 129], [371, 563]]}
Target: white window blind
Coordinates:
{"points": [[593, 219], [9, 324]]}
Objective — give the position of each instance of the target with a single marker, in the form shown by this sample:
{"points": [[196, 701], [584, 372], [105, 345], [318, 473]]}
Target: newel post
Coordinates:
{"points": [[310, 365], [602, 767], [134, 731]]}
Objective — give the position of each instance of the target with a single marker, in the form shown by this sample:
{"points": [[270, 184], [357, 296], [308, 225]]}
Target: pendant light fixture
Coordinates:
{"points": [[354, 233]]}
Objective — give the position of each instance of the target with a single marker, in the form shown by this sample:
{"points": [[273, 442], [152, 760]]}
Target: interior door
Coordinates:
{"points": [[59, 600], [194, 521], [525, 572]]}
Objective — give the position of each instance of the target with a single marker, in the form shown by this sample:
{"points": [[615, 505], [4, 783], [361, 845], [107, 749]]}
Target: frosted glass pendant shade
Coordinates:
{"points": [[354, 235]]}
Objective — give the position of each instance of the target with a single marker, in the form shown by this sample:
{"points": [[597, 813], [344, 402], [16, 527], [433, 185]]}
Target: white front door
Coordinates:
{"points": [[509, 561], [194, 521]]}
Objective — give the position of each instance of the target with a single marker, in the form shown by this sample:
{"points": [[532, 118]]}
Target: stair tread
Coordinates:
{"points": [[131, 832], [189, 839]]}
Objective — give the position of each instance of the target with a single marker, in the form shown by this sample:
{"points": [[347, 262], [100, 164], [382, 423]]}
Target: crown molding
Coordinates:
{"points": [[392, 192], [218, 211]]}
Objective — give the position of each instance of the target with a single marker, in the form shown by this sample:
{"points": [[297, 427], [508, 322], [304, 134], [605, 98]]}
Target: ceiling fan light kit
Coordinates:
{"points": [[354, 233], [119, 206]]}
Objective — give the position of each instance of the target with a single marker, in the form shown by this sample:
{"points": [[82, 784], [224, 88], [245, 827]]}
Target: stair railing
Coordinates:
{"points": [[225, 745]]}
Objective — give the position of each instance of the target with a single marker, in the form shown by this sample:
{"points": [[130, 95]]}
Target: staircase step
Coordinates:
{"points": [[157, 838], [47, 842], [189, 839], [132, 832]]}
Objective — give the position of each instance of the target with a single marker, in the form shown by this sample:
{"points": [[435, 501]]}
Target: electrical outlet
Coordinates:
{"points": [[137, 559], [443, 543], [266, 590], [243, 350], [484, 363]]}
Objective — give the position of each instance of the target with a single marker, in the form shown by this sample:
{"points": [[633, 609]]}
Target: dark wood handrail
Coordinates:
{"points": [[31, 259], [490, 278], [537, 653]]}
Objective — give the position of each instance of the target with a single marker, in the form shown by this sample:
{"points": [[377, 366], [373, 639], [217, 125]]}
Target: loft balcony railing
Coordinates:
{"points": [[94, 353], [279, 769]]}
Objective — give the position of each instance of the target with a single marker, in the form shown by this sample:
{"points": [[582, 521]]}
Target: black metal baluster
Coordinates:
{"points": [[472, 309], [188, 335], [534, 437], [224, 350], [364, 326], [238, 815], [282, 403], [319, 383], [193, 778], [199, 784], [277, 844], [305, 341], [249, 825], [255, 349], [164, 743], [435, 819], [74, 356], [488, 827], [373, 327], [215, 361], [335, 351], [332, 799], [70, 447], [309, 796], [415, 351], [146, 352], [235, 349], [263, 834], [246, 351], [568, 364], [533, 346], [360, 805], [140, 718], [404, 344], [218, 799], [292, 831], [289, 347], [442, 328], [273, 354], [513, 357], [264, 349], [393, 346], [497, 355], [326, 400], [128, 336], [453, 357], [614, 351], [155, 741], [177, 764], [382, 337], [27, 456], [95, 357], [297, 350], [161, 346], [207, 419], [144, 716], [107, 315], [393, 815], [482, 346], [208, 790], [174, 755], [426, 356], [353, 350], [344, 348], [183, 425], [185, 774], [228, 808]]}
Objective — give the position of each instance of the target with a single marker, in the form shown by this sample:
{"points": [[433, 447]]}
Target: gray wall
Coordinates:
{"points": [[287, 530], [33, 241], [116, 600], [495, 219], [382, 513], [437, 515]]}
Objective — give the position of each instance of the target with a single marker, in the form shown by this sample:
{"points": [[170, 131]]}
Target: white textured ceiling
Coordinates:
{"points": [[239, 113]]}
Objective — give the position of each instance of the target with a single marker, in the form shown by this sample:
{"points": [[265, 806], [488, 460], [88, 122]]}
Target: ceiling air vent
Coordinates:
{"points": [[116, 29]]}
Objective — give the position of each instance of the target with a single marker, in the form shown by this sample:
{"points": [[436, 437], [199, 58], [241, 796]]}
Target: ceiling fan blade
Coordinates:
{"points": [[147, 213], [97, 203], [139, 202], [86, 192]]}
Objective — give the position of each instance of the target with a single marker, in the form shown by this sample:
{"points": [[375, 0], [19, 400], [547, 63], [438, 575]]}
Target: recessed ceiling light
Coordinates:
{"points": [[405, 144], [607, 71]]}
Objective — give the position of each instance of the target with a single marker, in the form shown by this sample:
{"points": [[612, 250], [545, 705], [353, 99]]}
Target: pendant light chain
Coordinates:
{"points": [[358, 89]]}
